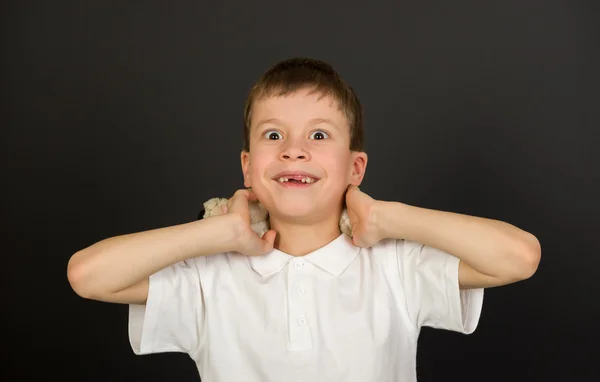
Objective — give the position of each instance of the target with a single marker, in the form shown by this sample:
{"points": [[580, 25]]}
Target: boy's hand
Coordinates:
{"points": [[361, 211], [247, 241]]}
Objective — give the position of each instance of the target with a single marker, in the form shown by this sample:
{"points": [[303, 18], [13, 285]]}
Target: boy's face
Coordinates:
{"points": [[300, 133]]}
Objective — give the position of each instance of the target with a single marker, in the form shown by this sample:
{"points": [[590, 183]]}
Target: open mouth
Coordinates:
{"points": [[296, 179]]}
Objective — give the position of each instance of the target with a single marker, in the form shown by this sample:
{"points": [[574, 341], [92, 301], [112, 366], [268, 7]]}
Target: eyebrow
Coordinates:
{"points": [[314, 121]]}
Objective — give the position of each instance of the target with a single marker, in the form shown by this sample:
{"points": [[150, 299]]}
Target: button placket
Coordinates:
{"points": [[299, 327]]}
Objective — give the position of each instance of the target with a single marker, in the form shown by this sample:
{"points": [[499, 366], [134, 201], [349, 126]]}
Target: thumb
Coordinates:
{"points": [[356, 239], [269, 237], [357, 242]]}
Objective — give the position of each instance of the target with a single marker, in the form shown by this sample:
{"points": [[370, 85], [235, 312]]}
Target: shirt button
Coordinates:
{"points": [[302, 321], [298, 264], [300, 290]]}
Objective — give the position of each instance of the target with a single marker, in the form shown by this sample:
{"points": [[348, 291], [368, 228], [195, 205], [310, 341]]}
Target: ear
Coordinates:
{"points": [[359, 167], [245, 159]]}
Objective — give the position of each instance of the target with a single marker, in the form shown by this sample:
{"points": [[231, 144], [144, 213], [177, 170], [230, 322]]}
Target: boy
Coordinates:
{"points": [[304, 302]]}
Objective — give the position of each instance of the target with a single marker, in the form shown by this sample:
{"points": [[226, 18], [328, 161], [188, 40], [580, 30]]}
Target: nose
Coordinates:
{"points": [[294, 151]]}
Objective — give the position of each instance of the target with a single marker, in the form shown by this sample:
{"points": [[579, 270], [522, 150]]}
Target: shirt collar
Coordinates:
{"points": [[334, 257]]}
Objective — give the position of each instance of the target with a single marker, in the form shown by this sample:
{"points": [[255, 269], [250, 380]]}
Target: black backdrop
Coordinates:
{"points": [[125, 116]]}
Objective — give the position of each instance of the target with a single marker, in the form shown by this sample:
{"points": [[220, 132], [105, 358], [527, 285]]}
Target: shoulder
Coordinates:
{"points": [[387, 248], [404, 254], [200, 269], [383, 255], [222, 267]]}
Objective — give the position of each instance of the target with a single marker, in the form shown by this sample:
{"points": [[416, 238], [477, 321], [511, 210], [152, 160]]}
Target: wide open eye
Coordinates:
{"points": [[319, 135], [272, 135]]}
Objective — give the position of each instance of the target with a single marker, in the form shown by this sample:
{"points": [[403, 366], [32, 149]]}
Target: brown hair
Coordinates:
{"points": [[297, 73]]}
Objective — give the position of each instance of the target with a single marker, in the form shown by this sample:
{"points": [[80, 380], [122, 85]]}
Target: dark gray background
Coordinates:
{"points": [[119, 117]]}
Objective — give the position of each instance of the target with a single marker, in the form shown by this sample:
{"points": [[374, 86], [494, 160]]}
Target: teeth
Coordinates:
{"points": [[303, 180]]}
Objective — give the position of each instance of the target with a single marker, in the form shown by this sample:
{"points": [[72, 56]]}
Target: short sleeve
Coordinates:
{"points": [[173, 316], [430, 280]]}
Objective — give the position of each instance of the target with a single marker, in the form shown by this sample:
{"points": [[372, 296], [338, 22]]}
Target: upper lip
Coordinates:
{"points": [[291, 174]]}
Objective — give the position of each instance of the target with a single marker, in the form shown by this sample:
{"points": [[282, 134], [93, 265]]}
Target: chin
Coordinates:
{"points": [[296, 209], [303, 205]]}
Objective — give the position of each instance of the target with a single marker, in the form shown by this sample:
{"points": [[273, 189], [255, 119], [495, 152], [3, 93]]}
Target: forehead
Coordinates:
{"points": [[299, 107]]}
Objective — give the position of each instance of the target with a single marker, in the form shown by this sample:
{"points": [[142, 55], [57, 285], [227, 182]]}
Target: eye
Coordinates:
{"points": [[319, 135], [272, 135]]}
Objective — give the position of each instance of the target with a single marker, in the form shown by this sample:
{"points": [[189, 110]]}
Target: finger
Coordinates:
{"points": [[247, 193], [357, 242], [251, 195], [348, 193], [241, 194], [352, 188], [269, 237]]}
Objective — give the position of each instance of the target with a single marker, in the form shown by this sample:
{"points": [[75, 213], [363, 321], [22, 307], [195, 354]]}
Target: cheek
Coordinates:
{"points": [[337, 167], [257, 169]]}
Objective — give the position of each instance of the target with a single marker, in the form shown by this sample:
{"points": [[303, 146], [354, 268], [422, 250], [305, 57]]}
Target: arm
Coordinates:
{"points": [[492, 252], [117, 269]]}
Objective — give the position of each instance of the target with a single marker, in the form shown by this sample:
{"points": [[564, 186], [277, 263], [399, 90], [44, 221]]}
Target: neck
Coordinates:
{"points": [[301, 239]]}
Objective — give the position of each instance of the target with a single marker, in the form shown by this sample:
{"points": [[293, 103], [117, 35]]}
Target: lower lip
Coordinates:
{"points": [[295, 184]]}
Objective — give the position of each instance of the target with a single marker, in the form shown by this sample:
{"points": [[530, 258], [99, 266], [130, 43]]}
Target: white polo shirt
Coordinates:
{"points": [[340, 313]]}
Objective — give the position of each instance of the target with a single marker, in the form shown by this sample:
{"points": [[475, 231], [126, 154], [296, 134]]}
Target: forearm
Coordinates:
{"points": [[116, 263], [489, 246]]}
